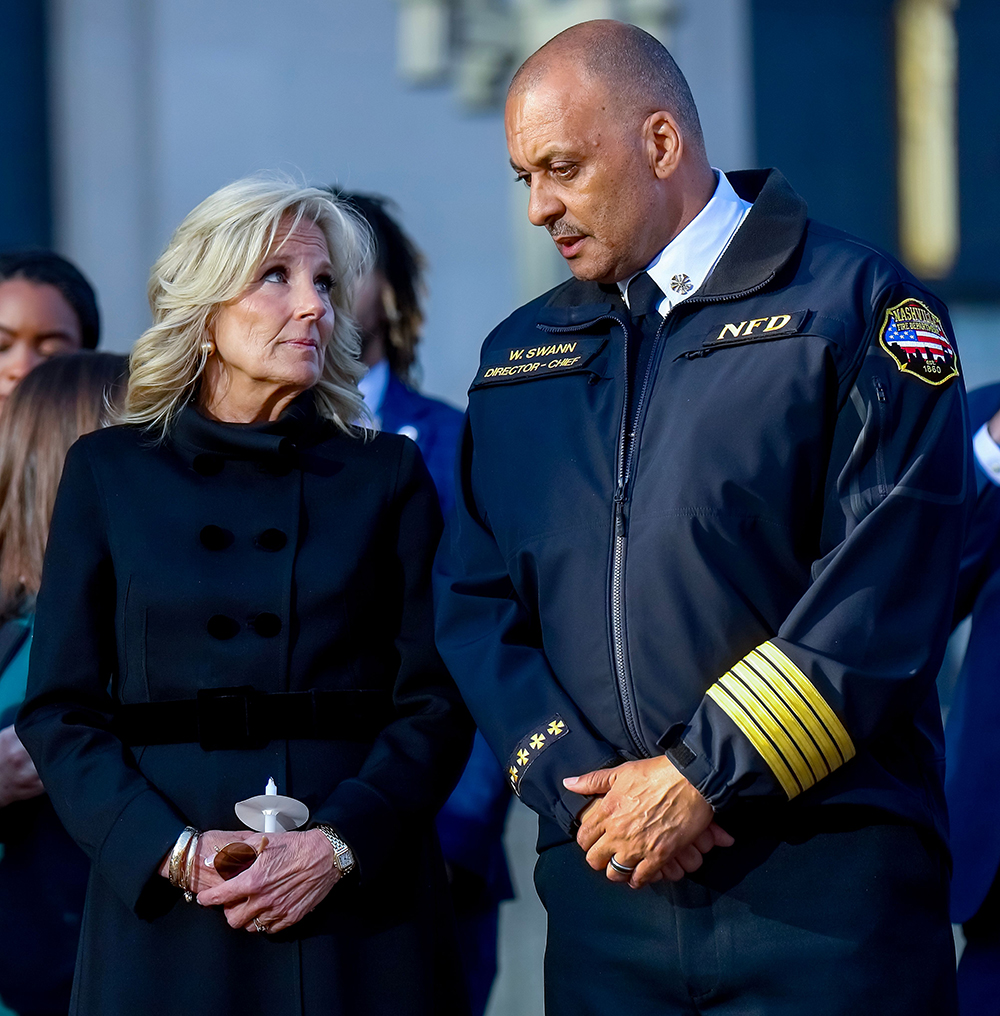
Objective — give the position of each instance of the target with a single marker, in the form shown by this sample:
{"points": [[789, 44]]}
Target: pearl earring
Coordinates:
{"points": [[207, 347]]}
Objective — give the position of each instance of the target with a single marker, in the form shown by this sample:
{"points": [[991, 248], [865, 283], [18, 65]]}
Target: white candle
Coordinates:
{"points": [[271, 814]]}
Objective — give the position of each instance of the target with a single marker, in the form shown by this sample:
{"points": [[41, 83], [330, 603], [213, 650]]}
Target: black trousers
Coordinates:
{"points": [[826, 914]]}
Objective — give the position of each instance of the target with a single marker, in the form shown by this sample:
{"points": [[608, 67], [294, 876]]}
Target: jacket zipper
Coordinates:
{"points": [[883, 486], [619, 534], [626, 446]]}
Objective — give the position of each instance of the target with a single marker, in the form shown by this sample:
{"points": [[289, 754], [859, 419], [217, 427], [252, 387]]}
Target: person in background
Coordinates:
{"points": [[47, 308], [471, 823], [390, 317], [43, 874], [973, 757]]}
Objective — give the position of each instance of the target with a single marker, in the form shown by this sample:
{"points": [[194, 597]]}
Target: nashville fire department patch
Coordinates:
{"points": [[913, 335]]}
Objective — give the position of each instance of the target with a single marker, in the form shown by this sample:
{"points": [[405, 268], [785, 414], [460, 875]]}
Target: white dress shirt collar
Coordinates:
{"points": [[687, 261]]}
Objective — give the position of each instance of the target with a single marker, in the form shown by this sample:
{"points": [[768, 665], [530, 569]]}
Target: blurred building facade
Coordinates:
{"points": [[880, 112], [123, 115], [140, 110]]}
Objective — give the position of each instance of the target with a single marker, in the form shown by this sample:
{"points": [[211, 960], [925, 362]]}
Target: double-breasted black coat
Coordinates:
{"points": [[286, 557]]}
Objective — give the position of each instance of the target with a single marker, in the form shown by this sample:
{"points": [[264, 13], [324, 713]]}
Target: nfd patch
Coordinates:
{"points": [[913, 335]]}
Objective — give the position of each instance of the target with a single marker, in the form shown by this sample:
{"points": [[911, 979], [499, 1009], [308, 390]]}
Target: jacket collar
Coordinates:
{"points": [[762, 246], [205, 443], [769, 236]]}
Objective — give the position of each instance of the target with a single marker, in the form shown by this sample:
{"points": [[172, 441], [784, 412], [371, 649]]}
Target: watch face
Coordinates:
{"points": [[345, 859]]}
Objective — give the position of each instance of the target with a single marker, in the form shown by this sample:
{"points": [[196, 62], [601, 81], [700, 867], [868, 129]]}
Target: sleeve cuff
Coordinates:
{"points": [[987, 454], [783, 718], [369, 824], [535, 773], [131, 863]]}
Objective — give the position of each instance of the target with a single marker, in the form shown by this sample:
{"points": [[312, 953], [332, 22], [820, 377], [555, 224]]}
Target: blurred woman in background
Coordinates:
{"points": [[47, 309], [43, 873]]}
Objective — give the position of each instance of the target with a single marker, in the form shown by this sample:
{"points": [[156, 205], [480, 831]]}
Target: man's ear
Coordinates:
{"points": [[663, 142]]}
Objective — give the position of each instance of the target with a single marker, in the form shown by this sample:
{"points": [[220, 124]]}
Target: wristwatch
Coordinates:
{"points": [[343, 856]]}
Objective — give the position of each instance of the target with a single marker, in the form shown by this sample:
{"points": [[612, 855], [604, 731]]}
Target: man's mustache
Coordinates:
{"points": [[560, 228]]}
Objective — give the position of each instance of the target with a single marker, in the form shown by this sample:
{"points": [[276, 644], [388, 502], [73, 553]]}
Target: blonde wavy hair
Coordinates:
{"points": [[210, 260]]}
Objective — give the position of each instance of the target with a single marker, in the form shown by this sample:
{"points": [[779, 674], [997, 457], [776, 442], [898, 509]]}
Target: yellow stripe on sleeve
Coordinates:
{"points": [[813, 699], [789, 694], [735, 711], [784, 744], [787, 718]]}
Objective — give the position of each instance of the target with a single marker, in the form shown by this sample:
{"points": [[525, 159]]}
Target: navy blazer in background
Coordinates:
{"points": [[972, 737], [471, 823], [433, 425]]}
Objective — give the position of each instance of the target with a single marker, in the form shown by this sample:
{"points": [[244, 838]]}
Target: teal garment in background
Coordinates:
{"points": [[12, 686], [13, 682], [40, 930], [14, 679]]}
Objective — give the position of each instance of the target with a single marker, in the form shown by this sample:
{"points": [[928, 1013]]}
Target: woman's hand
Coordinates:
{"points": [[18, 777], [291, 877], [203, 873]]}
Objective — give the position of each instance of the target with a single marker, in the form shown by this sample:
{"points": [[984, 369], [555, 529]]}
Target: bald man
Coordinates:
{"points": [[698, 583]]}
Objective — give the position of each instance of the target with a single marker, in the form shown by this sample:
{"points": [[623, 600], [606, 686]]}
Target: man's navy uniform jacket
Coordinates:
{"points": [[748, 561]]}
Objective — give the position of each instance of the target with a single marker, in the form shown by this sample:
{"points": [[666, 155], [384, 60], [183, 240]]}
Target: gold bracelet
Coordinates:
{"points": [[177, 855], [189, 862]]}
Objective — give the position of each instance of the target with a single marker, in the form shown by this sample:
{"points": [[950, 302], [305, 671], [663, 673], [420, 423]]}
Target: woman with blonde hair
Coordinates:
{"points": [[236, 588], [42, 873]]}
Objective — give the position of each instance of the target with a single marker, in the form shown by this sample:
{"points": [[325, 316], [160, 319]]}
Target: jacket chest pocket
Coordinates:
{"points": [[747, 332], [554, 356]]}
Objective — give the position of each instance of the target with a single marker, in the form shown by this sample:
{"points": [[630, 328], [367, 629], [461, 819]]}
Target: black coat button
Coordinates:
{"points": [[271, 539], [267, 625], [208, 464], [222, 627], [216, 538]]}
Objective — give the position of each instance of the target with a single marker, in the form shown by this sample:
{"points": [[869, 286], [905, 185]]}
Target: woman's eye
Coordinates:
{"points": [[274, 275], [326, 283], [54, 347]]}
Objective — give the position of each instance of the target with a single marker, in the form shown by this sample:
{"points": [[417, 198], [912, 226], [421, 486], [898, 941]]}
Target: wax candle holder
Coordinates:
{"points": [[271, 813]]}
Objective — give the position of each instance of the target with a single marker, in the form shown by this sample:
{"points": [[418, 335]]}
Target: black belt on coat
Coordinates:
{"points": [[228, 718]]}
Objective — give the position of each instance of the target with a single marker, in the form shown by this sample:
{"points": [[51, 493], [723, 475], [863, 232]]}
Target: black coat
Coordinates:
{"points": [[287, 557]]}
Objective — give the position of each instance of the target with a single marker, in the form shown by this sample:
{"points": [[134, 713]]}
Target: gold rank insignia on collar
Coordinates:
{"points": [[531, 746]]}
